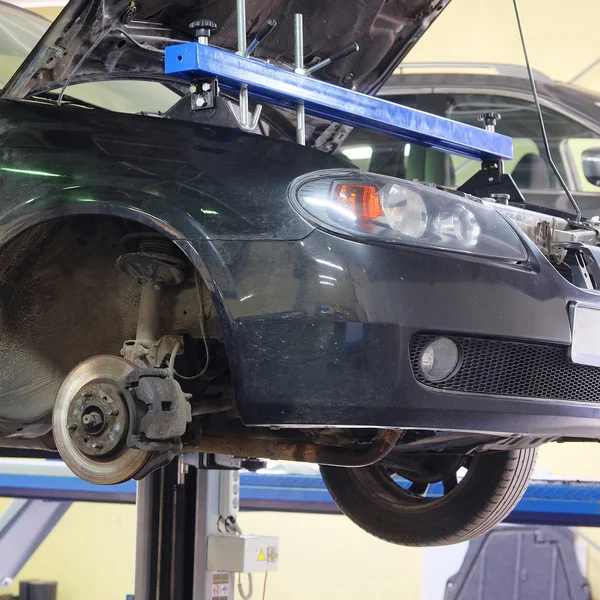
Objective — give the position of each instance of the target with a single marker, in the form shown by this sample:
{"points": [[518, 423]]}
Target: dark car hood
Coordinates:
{"points": [[94, 40]]}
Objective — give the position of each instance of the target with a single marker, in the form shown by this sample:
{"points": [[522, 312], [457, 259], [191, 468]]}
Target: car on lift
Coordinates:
{"points": [[170, 283]]}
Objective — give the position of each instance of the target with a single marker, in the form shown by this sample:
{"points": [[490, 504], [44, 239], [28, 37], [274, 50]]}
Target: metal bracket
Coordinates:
{"points": [[24, 525], [492, 182], [204, 93], [245, 120]]}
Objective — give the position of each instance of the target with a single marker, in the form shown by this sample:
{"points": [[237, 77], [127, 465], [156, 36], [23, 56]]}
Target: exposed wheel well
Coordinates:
{"points": [[63, 301]]}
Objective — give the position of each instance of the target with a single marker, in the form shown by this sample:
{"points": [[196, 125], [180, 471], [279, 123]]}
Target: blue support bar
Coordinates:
{"points": [[274, 85], [545, 502]]}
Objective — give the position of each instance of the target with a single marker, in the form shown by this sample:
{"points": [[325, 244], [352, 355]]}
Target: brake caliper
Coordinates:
{"points": [[159, 410]]}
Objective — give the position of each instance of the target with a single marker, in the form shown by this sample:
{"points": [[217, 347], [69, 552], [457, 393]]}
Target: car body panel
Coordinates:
{"points": [[338, 353], [317, 326], [223, 183]]}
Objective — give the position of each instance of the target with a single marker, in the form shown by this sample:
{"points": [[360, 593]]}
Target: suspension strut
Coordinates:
{"points": [[149, 258], [159, 410]]}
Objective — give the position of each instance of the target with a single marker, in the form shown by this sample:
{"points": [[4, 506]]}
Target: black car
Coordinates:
{"points": [[169, 283]]}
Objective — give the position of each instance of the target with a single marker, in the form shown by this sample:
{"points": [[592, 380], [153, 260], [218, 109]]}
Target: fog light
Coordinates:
{"points": [[439, 359]]}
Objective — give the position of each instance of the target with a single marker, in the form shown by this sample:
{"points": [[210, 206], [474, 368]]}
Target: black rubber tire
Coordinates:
{"points": [[493, 485]]}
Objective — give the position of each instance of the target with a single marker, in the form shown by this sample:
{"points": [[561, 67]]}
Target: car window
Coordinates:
{"points": [[380, 153], [20, 30], [530, 167], [585, 158]]}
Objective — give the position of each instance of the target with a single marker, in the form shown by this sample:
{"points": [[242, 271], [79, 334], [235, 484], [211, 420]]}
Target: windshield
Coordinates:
{"points": [[20, 30]]}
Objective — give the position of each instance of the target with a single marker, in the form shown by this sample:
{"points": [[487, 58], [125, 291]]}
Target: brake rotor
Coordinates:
{"points": [[90, 422]]}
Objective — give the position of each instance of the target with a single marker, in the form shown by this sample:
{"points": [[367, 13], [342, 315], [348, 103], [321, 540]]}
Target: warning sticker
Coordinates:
{"points": [[220, 586], [261, 556]]}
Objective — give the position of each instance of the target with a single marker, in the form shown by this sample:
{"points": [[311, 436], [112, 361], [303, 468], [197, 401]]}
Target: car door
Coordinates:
{"points": [[575, 148]]}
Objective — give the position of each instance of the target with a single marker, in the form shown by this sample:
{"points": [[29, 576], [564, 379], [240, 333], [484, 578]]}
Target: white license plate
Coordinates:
{"points": [[585, 348]]}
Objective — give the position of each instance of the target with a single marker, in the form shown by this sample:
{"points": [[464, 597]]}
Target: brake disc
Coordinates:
{"points": [[90, 422]]}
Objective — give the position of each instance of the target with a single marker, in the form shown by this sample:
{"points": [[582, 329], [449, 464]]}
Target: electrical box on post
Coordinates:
{"points": [[242, 553]]}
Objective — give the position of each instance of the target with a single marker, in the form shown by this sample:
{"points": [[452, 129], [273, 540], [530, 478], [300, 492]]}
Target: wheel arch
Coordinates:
{"points": [[178, 227], [144, 209]]}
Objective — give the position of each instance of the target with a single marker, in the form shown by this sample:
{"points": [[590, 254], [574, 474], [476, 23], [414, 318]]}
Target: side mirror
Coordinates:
{"points": [[590, 160]]}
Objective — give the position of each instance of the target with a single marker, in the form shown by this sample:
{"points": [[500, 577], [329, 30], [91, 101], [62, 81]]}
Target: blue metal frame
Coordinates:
{"points": [[545, 502], [274, 85]]}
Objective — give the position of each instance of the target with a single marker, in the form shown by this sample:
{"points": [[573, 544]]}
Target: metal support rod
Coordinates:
{"points": [[298, 43], [300, 125], [145, 574], [263, 31], [241, 26], [244, 114], [149, 313], [244, 110], [349, 49], [311, 453], [324, 63], [299, 68], [253, 45]]}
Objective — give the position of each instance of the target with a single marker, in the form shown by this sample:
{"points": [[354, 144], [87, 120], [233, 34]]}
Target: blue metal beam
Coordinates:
{"points": [[274, 85], [545, 502]]}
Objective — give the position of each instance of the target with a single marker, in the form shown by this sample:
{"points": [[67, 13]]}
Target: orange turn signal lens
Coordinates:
{"points": [[362, 200]]}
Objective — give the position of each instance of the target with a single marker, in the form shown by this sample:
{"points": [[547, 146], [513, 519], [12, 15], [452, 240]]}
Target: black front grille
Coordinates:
{"points": [[504, 368]]}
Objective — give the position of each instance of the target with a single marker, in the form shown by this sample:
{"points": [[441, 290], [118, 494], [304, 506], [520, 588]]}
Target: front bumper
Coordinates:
{"points": [[319, 333]]}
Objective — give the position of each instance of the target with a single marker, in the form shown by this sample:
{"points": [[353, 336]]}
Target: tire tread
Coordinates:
{"points": [[505, 486]]}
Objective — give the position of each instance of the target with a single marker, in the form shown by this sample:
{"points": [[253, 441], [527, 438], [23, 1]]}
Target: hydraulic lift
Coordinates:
{"points": [[183, 506], [189, 545]]}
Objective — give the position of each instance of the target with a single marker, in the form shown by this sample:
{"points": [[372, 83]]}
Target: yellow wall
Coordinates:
{"points": [[50, 12], [562, 37], [91, 554]]}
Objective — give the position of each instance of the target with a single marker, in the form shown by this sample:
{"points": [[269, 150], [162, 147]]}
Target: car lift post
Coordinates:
{"points": [[182, 509], [177, 508]]}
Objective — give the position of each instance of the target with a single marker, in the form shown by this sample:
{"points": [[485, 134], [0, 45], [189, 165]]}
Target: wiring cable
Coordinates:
{"points": [[536, 101]]}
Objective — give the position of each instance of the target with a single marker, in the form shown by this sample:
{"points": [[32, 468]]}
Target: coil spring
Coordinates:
{"points": [[147, 242]]}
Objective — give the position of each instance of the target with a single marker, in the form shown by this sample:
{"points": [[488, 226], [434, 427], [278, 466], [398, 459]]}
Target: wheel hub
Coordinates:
{"points": [[97, 420], [90, 422]]}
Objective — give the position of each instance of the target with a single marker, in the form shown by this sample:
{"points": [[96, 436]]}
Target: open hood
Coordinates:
{"points": [[95, 40]]}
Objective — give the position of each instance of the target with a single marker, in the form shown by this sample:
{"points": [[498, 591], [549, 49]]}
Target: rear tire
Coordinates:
{"points": [[492, 486]]}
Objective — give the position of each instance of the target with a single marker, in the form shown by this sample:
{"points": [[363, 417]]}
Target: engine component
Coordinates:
{"points": [[549, 233], [91, 421]]}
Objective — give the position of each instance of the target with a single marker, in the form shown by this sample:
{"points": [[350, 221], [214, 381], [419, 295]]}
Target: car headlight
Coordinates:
{"points": [[403, 212]]}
